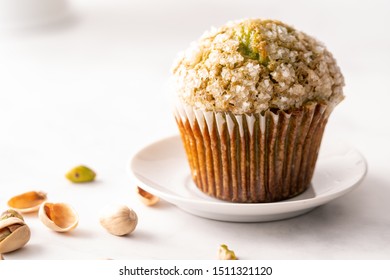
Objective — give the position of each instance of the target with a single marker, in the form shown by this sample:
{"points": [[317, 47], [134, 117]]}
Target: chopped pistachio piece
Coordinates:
{"points": [[81, 174], [225, 254]]}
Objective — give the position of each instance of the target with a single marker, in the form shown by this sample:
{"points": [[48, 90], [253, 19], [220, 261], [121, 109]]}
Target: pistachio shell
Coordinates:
{"points": [[80, 174], [11, 221], [16, 240], [1, 257], [146, 197], [15, 234], [27, 202], [60, 217]]}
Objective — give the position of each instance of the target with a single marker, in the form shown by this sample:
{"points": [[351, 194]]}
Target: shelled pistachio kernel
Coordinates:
{"points": [[225, 254], [80, 174]]}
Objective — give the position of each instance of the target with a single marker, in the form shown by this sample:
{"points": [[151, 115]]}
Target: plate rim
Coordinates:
{"points": [[297, 205]]}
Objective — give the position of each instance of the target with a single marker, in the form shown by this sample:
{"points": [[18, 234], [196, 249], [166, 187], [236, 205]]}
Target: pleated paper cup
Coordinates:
{"points": [[252, 158]]}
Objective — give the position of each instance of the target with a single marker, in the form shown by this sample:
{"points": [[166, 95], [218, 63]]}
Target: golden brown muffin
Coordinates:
{"points": [[253, 98]]}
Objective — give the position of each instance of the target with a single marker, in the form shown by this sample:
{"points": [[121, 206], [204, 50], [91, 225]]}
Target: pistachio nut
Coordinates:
{"points": [[225, 254], [60, 217], [14, 233], [118, 219], [80, 174], [11, 213], [146, 197], [27, 202]]}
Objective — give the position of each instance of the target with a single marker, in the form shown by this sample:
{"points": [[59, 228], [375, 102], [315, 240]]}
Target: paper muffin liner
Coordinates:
{"points": [[252, 158]]}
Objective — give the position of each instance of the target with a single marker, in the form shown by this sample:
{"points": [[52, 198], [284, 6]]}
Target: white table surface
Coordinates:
{"points": [[93, 90]]}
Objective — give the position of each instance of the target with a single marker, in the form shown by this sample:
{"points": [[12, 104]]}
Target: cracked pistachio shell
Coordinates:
{"points": [[14, 234], [146, 197], [80, 174], [27, 202], [225, 254], [60, 217]]}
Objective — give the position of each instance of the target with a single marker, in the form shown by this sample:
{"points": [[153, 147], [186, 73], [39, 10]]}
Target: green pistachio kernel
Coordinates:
{"points": [[225, 254], [9, 214], [251, 44], [81, 174], [4, 233]]}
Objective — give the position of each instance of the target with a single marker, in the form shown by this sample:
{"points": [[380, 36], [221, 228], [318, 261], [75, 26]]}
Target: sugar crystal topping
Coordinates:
{"points": [[254, 65]]}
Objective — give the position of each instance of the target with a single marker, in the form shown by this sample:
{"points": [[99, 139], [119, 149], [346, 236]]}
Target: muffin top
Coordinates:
{"points": [[253, 65]]}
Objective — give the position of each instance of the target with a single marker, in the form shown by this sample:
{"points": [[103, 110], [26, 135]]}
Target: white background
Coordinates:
{"points": [[92, 89]]}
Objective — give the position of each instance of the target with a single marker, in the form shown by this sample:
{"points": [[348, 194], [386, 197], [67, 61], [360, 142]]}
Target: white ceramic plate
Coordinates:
{"points": [[161, 169]]}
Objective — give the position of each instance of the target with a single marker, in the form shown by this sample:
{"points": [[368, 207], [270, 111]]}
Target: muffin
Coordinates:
{"points": [[252, 101]]}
